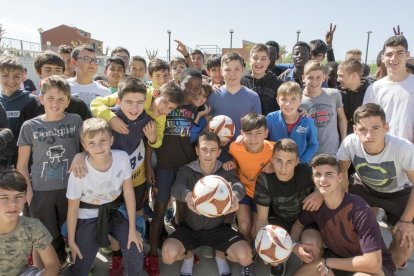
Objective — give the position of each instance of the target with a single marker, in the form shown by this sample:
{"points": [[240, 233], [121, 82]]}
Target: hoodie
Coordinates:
{"points": [[187, 177]]}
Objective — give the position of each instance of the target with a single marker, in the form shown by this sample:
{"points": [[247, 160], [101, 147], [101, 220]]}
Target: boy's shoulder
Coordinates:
{"points": [[331, 91], [119, 155]]}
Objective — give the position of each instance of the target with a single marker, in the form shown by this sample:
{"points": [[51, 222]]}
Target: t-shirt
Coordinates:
{"points": [[28, 85], [384, 172], [349, 230], [88, 92], [323, 109], [284, 198], [250, 164], [54, 144], [99, 187], [16, 246], [397, 100], [133, 143]]}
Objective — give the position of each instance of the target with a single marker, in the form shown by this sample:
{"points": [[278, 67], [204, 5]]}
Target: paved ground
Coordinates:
{"points": [[208, 267]]}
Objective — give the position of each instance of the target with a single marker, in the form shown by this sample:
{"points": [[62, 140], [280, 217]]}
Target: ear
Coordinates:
{"points": [[267, 132], [197, 151], [387, 127], [41, 99], [73, 62], [112, 140]]}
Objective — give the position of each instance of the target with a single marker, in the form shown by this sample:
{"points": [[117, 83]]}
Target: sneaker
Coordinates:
{"points": [[403, 266], [106, 250], [151, 265], [116, 267], [278, 270], [247, 270], [169, 216], [207, 252]]}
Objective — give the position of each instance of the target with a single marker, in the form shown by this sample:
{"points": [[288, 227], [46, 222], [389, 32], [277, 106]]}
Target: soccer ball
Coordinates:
{"points": [[273, 244], [223, 126], [212, 196]]}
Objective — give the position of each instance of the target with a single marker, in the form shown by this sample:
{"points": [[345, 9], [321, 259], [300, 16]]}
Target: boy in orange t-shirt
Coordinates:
{"points": [[251, 154]]}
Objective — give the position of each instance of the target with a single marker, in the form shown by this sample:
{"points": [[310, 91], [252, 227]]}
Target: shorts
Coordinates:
{"points": [[140, 196], [288, 225], [164, 179], [247, 200], [220, 238], [31, 271], [393, 203]]}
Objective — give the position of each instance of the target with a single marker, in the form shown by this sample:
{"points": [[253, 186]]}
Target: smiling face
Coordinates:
{"points": [[198, 61], [115, 73], [289, 104], [137, 69], [83, 68], [300, 56], [326, 178], [55, 102], [313, 80], [371, 133], [160, 77], [132, 105], [98, 146], [69, 70], [395, 58], [162, 106], [259, 61], [254, 139], [10, 80], [215, 75]]}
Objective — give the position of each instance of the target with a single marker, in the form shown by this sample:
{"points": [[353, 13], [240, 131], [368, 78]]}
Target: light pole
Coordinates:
{"points": [[297, 36], [169, 45], [40, 31], [366, 52], [231, 38]]}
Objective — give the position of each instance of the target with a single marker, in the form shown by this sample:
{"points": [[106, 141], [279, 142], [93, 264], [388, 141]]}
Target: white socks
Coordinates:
{"points": [[223, 266]]}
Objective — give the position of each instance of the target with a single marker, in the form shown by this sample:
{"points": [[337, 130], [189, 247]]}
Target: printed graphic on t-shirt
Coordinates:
{"points": [[322, 114], [137, 164], [289, 207], [381, 177], [13, 114], [179, 122]]}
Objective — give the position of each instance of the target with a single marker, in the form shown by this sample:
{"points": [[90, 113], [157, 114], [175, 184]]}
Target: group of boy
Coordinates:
{"points": [[271, 178]]}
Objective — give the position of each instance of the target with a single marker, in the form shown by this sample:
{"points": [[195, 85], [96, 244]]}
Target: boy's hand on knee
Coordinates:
{"points": [[304, 252], [406, 230], [75, 251], [135, 237]]}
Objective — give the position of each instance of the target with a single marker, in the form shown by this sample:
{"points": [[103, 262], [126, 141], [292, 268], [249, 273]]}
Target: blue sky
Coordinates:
{"points": [[143, 24]]}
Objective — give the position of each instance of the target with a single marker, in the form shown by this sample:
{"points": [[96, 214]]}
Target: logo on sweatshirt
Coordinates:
{"points": [[301, 129]]}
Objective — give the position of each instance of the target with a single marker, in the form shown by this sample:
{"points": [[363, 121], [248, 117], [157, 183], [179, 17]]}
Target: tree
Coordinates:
{"points": [[2, 32]]}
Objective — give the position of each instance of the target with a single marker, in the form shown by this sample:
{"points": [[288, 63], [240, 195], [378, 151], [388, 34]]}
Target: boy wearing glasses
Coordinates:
{"points": [[395, 92], [86, 65], [18, 234]]}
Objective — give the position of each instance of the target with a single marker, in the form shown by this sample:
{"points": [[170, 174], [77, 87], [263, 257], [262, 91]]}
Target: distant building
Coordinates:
{"points": [[72, 36]]}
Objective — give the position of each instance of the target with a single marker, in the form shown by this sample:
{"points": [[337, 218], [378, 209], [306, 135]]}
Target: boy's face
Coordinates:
{"points": [[232, 72], [11, 204], [345, 79], [259, 61], [284, 164], [177, 70], [163, 106], [160, 77], [289, 104], [55, 101], [68, 65], [198, 61], [215, 75], [371, 133], [319, 57], [191, 87], [199, 100], [300, 56], [326, 179], [208, 152], [48, 70], [115, 73], [10, 80], [99, 146], [83, 68], [395, 58], [254, 139], [137, 69], [313, 80], [132, 105]]}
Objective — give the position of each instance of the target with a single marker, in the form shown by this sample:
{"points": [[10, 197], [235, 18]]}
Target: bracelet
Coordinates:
{"points": [[404, 221]]}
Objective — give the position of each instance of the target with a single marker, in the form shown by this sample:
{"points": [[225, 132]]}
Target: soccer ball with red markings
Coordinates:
{"points": [[273, 244], [212, 196], [224, 127]]}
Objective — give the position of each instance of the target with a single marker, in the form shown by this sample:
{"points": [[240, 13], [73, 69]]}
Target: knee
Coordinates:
{"points": [[241, 254], [169, 253], [244, 227]]}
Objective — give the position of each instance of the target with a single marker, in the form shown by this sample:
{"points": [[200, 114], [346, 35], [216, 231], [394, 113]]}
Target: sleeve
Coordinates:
{"points": [[369, 234], [369, 95], [261, 192], [26, 135], [74, 190], [312, 143], [41, 236], [160, 128], [330, 55], [339, 103], [196, 129], [284, 66], [84, 111], [344, 154], [257, 107], [127, 166], [101, 107], [406, 156], [180, 189], [305, 218], [29, 109], [3, 117]]}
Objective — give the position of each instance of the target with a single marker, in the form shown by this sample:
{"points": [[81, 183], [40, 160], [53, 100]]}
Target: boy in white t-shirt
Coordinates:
{"points": [[94, 201]]}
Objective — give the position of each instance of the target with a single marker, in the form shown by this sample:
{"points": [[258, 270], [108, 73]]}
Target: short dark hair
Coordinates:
{"points": [[253, 120], [260, 47], [177, 60], [57, 82], [286, 145], [396, 40], [208, 136], [197, 52], [368, 110], [65, 49], [172, 92], [131, 85], [48, 57], [138, 58], [213, 61], [301, 44], [324, 159], [206, 89], [115, 59], [157, 64], [10, 63], [118, 50], [12, 180], [317, 47], [410, 67], [82, 47], [274, 44], [194, 73]]}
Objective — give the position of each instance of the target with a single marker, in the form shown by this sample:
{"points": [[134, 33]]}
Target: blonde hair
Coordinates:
{"points": [[289, 88], [93, 126], [313, 65]]}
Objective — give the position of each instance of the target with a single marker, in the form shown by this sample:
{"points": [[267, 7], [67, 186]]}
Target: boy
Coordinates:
{"points": [[198, 230], [138, 67], [177, 65], [123, 53], [384, 166], [325, 106], [159, 72], [94, 201], [287, 122], [19, 234], [64, 52], [347, 226], [214, 70], [300, 56], [114, 71], [354, 54], [281, 196], [28, 84], [353, 88], [262, 81], [395, 92], [252, 154], [12, 97], [47, 64], [52, 140], [197, 57], [86, 65]]}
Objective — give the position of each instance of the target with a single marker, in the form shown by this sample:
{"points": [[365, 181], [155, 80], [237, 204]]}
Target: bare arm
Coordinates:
{"points": [[342, 122], [71, 221], [262, 217], [23, 168], [343, 169], [183, 50], [129, 196], [369, 263], [50, 261]]}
